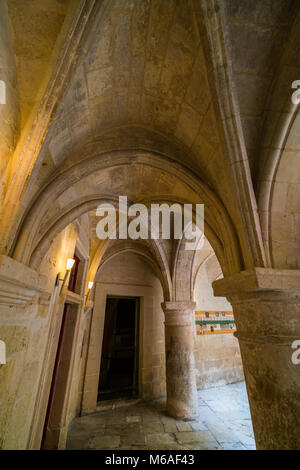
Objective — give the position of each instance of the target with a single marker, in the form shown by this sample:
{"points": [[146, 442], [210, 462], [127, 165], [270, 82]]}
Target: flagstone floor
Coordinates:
{"points": [[224, 423]]}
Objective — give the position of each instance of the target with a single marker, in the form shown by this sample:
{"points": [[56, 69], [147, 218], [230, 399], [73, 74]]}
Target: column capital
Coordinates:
{"points": [[179, 306], [255, 280], [178, 313], [266, 304]]}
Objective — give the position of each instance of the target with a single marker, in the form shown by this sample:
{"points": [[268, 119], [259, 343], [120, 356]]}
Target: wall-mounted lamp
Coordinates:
{"points": [[90, 286], [70, 264]]}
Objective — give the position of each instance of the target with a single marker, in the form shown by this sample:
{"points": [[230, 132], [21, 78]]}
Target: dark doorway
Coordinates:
{"points": [[120, 349]]}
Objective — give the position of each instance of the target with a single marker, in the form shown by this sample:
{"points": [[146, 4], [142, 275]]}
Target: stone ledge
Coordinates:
{"points": [[19, 283], [73, 298], [258, 279]]}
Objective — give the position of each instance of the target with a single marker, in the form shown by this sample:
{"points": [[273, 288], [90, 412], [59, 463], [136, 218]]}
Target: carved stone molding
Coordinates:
{"points": [[20, 284], [178, 313], [73, 298], [259, 279]]}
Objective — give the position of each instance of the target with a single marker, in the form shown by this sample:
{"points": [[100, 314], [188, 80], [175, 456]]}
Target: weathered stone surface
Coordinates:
{"points": [[267, 319], [202, 437], [180, 365], [214, 433], [186, 101]]}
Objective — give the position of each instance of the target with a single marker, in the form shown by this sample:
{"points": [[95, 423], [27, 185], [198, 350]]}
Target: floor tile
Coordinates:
{"points": [[224, 423]]}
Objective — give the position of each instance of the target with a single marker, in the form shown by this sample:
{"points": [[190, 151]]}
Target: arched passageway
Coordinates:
{"points": [[127, 273], [178, 102]]}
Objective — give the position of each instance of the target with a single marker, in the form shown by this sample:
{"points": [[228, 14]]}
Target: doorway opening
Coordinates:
{"points": [[120, 349]]}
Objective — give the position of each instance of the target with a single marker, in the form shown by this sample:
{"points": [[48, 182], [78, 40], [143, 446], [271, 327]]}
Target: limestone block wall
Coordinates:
{"points": [[217, 356], [36, 29], [24, 331], [29, 325], [9, 112], [218, 360]]}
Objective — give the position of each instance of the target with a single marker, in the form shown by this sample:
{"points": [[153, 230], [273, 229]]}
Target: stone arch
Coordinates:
{"points": [[284, 204], [187, 265], [280, 121], [183, 272], [266, 183], [199, 262], [220, 230], [182, 276], [141, 249]]}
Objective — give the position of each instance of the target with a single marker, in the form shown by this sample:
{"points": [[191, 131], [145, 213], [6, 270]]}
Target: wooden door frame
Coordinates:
{"points": [[54, 374], [55, 311]]}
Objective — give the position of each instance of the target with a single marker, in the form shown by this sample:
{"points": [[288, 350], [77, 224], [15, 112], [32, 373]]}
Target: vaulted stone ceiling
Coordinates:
{"points": [[144, 77], [142, 65], [140, 81], [257, 34], [36, 25]]}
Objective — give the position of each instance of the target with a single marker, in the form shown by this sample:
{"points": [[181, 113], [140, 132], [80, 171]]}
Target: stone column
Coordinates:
{"points": [[182, 400], [266, 305]]}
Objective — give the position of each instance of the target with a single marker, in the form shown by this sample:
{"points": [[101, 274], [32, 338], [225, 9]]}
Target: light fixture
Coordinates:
{"points": [[70, 264], [90, 286]]}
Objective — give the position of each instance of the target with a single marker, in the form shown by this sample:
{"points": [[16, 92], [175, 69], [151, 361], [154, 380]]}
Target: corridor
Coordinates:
{"points": [[224, 423], [150, 224]]}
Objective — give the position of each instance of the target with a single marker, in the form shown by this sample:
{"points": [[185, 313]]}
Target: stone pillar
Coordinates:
{"points": [[266, 305], [182, 400]]}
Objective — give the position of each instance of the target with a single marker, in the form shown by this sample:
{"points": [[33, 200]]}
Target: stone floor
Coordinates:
{"points": [[224, 423]]}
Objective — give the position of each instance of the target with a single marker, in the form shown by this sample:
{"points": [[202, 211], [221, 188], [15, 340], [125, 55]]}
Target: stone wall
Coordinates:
{"points": [[23, 329], [9, 112], [218, 360], [30, 319], [217, 356]]}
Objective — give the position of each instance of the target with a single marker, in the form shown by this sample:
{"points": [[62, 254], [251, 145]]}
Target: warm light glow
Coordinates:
{"points": [[70, 263], [91, 284]]}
